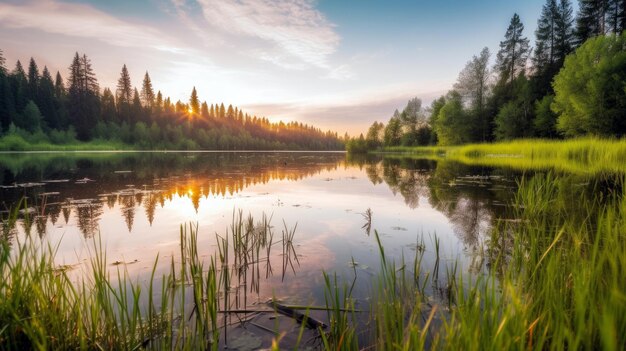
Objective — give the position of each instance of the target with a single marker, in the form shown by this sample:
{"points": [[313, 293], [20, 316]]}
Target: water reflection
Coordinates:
{"points": [[472, 198], [82, 185], [330, 192]]}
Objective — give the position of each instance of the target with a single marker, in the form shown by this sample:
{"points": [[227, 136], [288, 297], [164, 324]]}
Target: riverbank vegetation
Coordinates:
{"points": [[570, 84], [586, 155], [554, 280], [38, 111]]}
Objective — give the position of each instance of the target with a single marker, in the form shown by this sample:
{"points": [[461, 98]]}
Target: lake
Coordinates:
{"points": [[335, 205]]}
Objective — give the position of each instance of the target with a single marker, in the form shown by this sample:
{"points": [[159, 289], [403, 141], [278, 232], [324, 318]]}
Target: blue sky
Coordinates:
{"points": [[334, 63]]}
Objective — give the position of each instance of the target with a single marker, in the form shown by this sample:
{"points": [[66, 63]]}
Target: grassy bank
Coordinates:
{"points": [[589, 155], [555, 281], [14, 142]]}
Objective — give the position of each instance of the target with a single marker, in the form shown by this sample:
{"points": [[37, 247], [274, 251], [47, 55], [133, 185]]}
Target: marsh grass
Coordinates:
{"points": [[586, 156], [555, 281], [44, 306]]}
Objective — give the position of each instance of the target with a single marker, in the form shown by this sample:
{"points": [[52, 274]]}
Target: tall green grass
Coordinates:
{"points": [[43, 308], [556, 281], [587, 155]]}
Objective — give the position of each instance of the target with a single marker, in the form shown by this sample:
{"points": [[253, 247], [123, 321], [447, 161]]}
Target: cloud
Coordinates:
{"points": [[353, 115], [79, 20], [294, 32]]}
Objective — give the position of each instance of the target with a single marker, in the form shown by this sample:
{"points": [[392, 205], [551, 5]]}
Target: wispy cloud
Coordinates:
{"points": [[79, 20], [353, 114], [294, 32]]}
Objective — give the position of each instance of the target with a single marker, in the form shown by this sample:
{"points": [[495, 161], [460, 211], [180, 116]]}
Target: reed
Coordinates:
{"points": [[556, 281]]}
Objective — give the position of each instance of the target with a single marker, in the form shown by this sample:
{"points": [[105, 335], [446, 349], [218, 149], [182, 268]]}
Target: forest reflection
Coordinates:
{"points": [[475, 199], [85, 187], [472, 198]]}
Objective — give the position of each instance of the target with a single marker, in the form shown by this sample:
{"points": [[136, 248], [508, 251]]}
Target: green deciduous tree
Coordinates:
{"points": [[545, 118], [474, 86], [589, 90], [374, 137], [393, 131], [451, 124], [514, 119]]}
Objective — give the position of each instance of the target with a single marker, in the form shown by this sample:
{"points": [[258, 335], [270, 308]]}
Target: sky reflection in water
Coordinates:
{"points": [[137, 203]]}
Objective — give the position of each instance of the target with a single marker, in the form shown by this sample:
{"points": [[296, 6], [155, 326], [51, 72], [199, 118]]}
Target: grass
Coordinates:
{"points": [[555, 281], [587, 155], [17, 143]]}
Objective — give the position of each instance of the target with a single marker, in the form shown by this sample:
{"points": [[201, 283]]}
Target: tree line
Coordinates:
{"points": [[37, 108], [571, 83]]}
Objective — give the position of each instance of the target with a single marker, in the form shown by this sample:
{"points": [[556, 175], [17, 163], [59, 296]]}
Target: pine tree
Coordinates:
{"points": [[194, 103], [553, 43], [46, 100], [564, 31], [147, 92], [90, 83], [19, 86], [60, 94], [622, 15], [124, 95], [158, 106], [230, 113], [7, 108], [59, 86], [108, 112], [222, 111], [3, 68], [544, 55], [590, 20], [204, 111], [83, 97], [33, 80], [7, 103], [137, 108], [511, 59], [31, 118], [616, 16]]}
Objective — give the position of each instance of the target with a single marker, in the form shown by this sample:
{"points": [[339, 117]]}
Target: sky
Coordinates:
{"points": [[336, 64]]}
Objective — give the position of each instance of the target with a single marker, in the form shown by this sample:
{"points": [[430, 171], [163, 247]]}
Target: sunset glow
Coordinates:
{"points": [[327, 63]]}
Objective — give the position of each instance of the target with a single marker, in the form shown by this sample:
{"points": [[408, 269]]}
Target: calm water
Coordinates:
{"points": [[136, 202]]}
